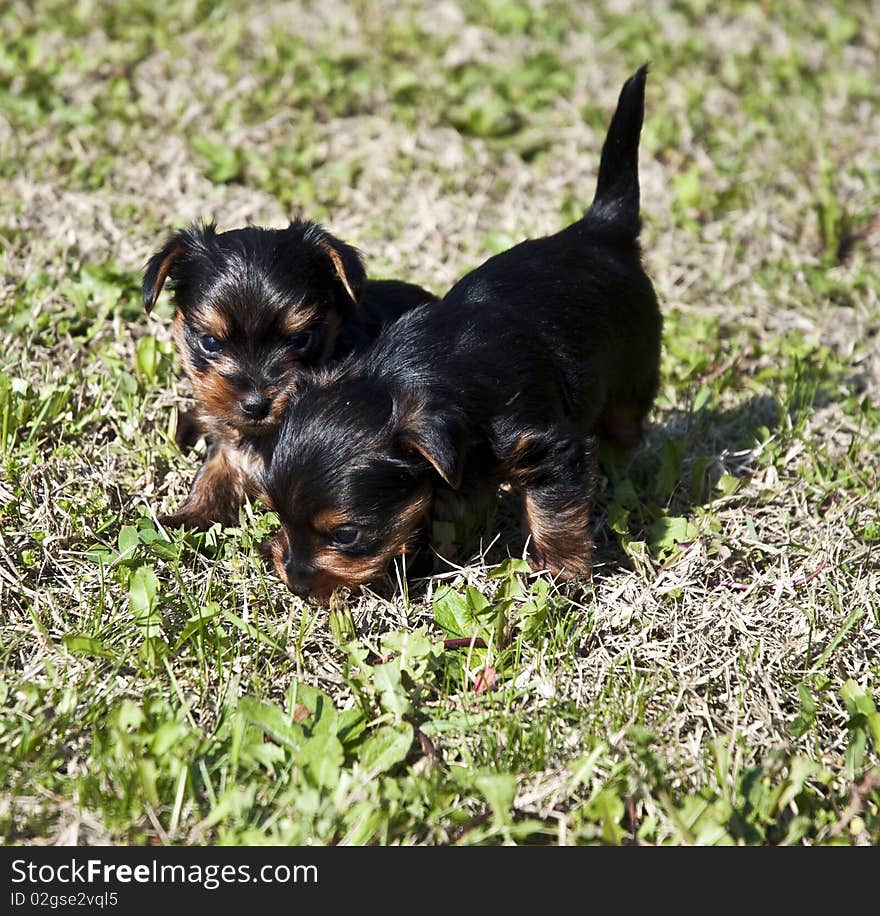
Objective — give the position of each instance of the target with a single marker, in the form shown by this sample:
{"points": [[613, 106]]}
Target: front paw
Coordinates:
{"points": [[188, 520], [189, 430], [560, 567]]}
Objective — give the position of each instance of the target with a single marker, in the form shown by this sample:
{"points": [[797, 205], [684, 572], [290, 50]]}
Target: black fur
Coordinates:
{"points": [[256, 284], [510, 377]]}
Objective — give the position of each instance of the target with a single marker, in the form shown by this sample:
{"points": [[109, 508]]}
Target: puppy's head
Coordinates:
{"points": [[254, 308], [352, 477]]}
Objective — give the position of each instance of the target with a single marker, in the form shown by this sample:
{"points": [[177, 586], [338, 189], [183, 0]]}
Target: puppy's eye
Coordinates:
{"points": [[346, 536], [210, 344], [299, 341]]}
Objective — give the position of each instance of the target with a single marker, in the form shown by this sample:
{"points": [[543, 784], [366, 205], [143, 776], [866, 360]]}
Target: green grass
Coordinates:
{"points": [[716, 682]]}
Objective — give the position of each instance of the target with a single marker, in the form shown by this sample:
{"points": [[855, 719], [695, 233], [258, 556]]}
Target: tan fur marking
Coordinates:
{"points": [[335, 569], [560, 540], [411, 442], [212, 322], [298, 318], [217, 494], [162, 274], [217, 395], [511, 466], [411, 416], [340, 269], [277, 547], [177, 329], [327, 520]]}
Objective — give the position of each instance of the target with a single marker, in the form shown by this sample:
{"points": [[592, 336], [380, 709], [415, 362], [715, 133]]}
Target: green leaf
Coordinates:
{"points": [[671, 466], [147, 360], [129, 716], [321, 756], [669, 531], [476, 601], [727, 484], [143, 587], [412, 647], [342, 626], [323, 715], [702, 398], [807, 715], [618, 518], [386, 747], [392, 695], [233, 803], [153, 650], [688, 189], [873, 723], [854, 616], [253, 632], [499, 790], [625, 494], [854, 755], [77, 644], [272, 721], [452, 613], [582, 769], [509, 567], [856, 699], [166, 737], [350, 725], [128, 539]]}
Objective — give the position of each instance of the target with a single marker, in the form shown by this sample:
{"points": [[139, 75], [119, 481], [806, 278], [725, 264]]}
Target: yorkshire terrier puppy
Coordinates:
{"points": [[511, 378], [254, 308]]}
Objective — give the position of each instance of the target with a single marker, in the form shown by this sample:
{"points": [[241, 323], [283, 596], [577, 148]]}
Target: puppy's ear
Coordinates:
{"points": [[158, 268], [166, 262], [346, 263], [438, 440]]}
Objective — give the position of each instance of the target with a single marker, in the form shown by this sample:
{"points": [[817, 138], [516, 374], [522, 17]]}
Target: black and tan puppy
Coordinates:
{"points": [[256, 307], [511, 378]]}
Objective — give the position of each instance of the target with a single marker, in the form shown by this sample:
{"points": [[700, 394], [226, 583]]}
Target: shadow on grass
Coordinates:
{"points": [[677, 469], [674, 470]]}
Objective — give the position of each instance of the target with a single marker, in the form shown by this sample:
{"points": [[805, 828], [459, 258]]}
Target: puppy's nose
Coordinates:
{"points": [[301, 591], [299, 578], [255, 406]]}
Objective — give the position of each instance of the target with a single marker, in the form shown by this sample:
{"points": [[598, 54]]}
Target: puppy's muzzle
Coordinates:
{"points": [[300, 577], [255, 406]]}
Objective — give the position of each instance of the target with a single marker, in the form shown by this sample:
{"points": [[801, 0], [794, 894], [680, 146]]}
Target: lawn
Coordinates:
{"points": [[715, 683]]}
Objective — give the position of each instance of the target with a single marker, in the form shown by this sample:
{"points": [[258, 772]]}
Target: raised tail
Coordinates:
{"points": [[615, 207]]}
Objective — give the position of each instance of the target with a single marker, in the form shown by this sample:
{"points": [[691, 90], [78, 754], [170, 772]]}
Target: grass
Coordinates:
{"points": [[715, 683]]}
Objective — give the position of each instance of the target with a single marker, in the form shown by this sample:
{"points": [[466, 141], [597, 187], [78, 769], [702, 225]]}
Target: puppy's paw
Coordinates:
{"points": [[188, 520], [189, 430], [562, 568]]}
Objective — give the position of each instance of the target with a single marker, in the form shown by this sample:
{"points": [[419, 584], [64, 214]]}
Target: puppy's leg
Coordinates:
{"points": [[621, 421], [621, 424], [189, 429], [555, 471], [216, 496]]}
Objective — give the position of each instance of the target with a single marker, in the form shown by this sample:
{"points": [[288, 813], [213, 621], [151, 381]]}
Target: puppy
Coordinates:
{"points": [[512, 377], [254, 308]]}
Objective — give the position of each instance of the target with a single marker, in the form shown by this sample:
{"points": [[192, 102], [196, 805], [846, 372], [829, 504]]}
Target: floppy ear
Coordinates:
{"points": [[158, 268], [197, 237], [437, 440], [347, 264]]}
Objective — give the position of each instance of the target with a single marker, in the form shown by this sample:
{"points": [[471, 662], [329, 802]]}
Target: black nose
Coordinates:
{"points": [[255, 406], [301, 591], [299, 578]]}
